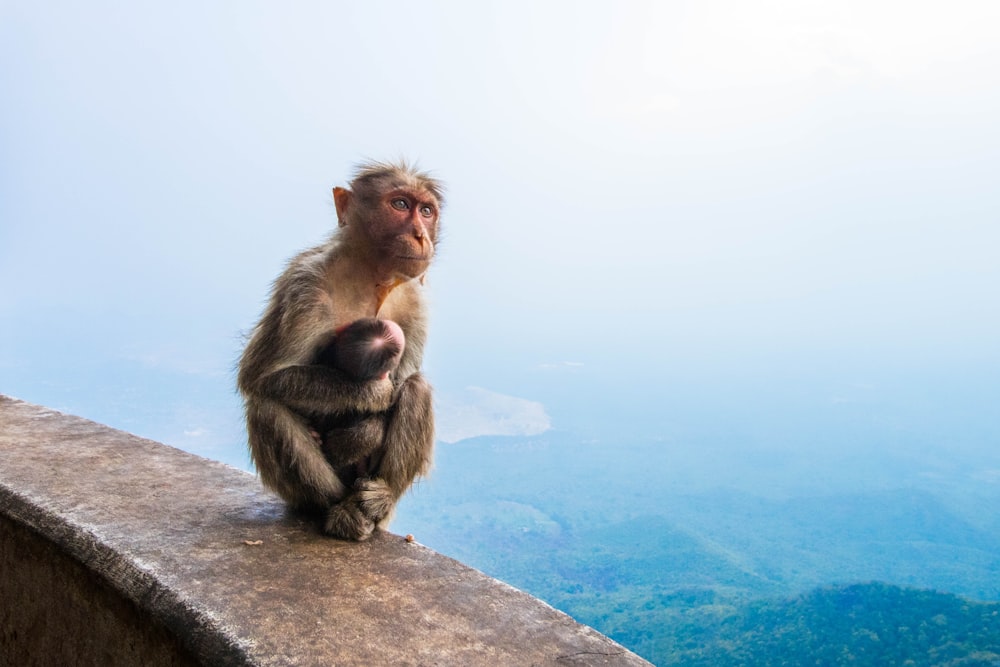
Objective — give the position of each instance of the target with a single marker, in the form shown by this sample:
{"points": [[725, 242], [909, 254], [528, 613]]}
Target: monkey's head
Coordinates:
{"points": [[392, 211]]}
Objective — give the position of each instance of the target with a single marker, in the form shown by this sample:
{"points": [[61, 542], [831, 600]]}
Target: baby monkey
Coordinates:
{"points": [[366, 349]]}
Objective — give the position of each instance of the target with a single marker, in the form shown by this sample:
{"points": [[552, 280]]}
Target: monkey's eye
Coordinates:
{"points": [[400, 204], [426, 211]]}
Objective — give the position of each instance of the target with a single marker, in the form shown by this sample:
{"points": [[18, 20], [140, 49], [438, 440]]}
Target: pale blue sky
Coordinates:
{"points": [[651, 205]]}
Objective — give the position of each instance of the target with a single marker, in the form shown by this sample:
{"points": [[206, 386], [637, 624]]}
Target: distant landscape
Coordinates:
{"points": [[635, 542], [861, 624], [724, 538]]}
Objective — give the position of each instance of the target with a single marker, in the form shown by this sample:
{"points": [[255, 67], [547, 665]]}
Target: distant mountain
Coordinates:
{"points": [[563, 500], [620, 538]]}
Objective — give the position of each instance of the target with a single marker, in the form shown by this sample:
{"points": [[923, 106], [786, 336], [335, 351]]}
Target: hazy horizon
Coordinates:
{"points": [[773, 223]]}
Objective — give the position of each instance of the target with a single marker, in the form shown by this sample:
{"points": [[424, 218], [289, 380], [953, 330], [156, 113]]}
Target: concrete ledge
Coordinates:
{"points": [[119, 550]]}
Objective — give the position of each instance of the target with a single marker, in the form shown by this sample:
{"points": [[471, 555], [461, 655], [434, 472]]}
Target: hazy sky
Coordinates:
{"points": [[653, 206]]}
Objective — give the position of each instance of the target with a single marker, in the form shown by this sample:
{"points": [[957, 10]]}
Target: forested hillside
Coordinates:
{"points": [[865, 624], [639, 543]]}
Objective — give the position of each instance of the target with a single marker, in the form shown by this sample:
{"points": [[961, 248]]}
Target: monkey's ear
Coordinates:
{"points": [[342, 200]]}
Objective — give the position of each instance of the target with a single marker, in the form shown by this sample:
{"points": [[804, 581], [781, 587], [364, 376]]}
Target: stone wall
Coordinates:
{"points": [[116, 550]]}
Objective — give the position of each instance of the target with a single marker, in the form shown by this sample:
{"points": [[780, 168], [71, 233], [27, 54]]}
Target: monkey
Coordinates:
{"points": [[365, 349], [372, 266]]}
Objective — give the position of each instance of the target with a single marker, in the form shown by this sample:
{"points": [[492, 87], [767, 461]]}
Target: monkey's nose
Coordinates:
{"points": [[426, 247]]}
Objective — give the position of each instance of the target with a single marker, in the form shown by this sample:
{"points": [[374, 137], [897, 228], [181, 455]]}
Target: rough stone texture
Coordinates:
{"points": [[53, 611], [139, 538]]}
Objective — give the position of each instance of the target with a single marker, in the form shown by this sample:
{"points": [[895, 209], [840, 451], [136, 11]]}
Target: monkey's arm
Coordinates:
{"points": [[320, 390]]}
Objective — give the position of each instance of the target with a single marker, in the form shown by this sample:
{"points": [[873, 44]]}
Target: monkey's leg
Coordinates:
{"points": [[409, 442], [288, 458], [347, 448], [346, 520]]}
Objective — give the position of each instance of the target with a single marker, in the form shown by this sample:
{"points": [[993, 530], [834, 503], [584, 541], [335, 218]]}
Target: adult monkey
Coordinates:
{"points": [[372, 266]]}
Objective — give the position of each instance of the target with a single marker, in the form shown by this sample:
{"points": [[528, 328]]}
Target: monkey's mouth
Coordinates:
{"points": [[411, 266]]}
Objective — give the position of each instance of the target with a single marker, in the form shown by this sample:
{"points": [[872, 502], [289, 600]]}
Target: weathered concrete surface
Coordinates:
{"points": [[54, 611], [159, 539]]}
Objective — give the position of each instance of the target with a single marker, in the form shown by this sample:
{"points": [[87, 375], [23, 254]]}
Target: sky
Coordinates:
{"points": [[662, 216]]}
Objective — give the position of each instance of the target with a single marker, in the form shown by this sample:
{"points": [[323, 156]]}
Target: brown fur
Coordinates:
{"points": [[354, 479], [366, 349]]}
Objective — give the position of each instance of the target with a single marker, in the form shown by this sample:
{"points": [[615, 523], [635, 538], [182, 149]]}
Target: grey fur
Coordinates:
{"points": [[355, 483]]}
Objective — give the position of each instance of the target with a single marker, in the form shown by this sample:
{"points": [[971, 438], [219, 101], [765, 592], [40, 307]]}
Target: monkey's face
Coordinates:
{"points": [[404, 228]]}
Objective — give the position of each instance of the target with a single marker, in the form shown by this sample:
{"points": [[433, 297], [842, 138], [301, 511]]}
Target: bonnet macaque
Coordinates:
{"points": [[338, 433]]}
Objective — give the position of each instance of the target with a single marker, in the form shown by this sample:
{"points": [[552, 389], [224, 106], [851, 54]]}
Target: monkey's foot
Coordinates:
{"points": [[374, 497], [346, 521]]}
